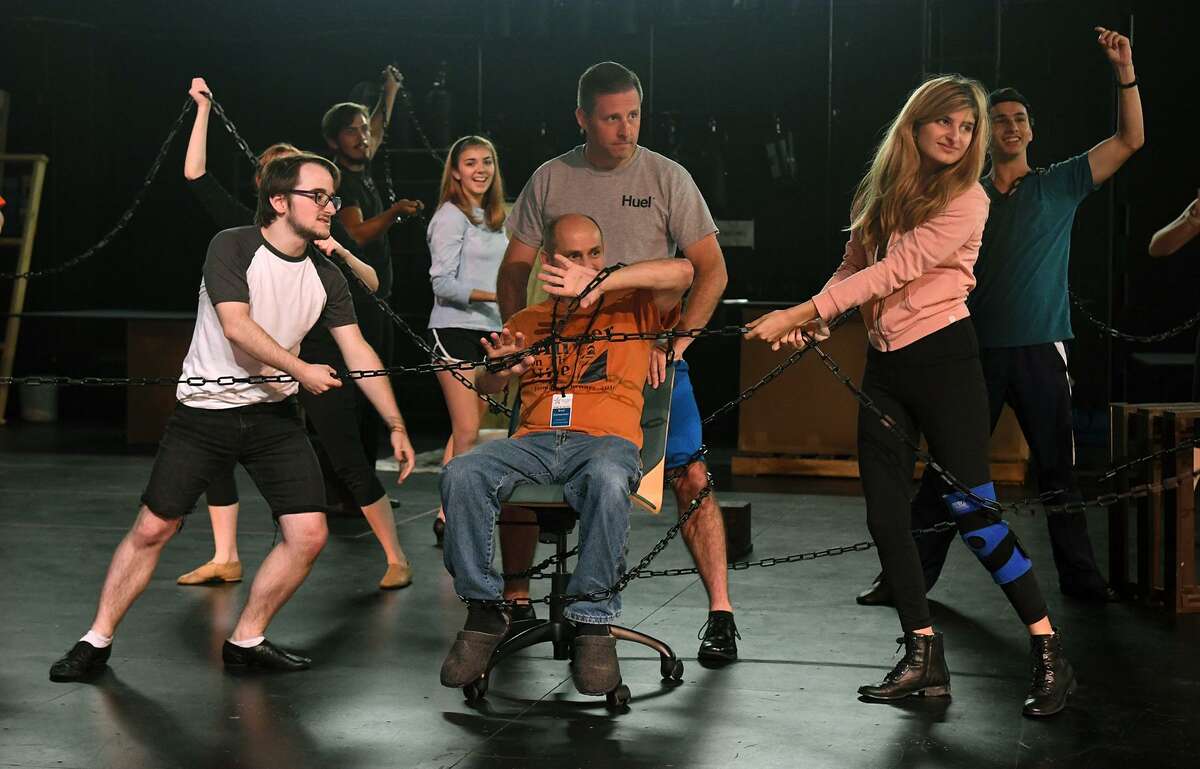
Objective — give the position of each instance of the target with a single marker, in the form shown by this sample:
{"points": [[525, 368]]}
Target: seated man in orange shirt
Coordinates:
{"points": [[580, 426]]}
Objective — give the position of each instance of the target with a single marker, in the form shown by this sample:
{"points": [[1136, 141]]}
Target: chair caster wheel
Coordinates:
{"points": [[476, 690], [672, 670], [617, 698]]}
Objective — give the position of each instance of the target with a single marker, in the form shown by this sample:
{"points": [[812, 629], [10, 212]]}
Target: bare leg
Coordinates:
{"points": [[1042, 627], [224, 525], [704, 534], [383, 523], [131, 568], [466, 412], [517, 546], [282, 571], [447, 455]]}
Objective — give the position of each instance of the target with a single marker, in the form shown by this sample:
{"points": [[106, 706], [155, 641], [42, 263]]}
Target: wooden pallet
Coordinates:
{"points": [[1163, 568]]}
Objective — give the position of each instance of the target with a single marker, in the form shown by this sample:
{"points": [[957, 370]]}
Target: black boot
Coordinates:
{"points": [[922, 671], [878, 594], [1053, 677]]}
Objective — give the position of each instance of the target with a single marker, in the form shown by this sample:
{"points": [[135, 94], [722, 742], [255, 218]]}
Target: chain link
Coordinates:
{"points": [[406, 98], [641, 570], [241, 143], [123, 220], [1115, 333]]}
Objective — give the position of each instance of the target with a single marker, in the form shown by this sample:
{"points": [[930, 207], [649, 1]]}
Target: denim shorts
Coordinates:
{"points": [[200, 445]]}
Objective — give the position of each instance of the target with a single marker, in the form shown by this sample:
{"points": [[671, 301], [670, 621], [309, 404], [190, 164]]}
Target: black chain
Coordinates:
{"points": [[124, 218], [535, 571], [455, 371], [1108, 330], [233, 132], [993, 508], [412, 113], [773, 374]]}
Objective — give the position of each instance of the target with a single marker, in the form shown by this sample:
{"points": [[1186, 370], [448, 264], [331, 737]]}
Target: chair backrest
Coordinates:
{"points": [[656, 415]]}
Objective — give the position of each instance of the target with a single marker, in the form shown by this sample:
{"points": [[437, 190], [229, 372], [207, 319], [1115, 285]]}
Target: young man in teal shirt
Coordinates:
{"points": [[1022, 315]]}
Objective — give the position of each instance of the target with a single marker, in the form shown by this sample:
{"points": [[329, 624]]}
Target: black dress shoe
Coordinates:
{"points": [[439, 531], [718, 639], [922, 670], [265, 656], [878, 594], [1053, 677], [82, 661]]}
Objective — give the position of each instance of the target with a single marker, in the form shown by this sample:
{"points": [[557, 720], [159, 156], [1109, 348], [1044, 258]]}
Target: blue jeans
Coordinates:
{"points": [[598, 475]]}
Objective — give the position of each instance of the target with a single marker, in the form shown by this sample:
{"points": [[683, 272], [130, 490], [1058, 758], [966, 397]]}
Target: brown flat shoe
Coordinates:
{"points": [[398, 575], [213, 574]]}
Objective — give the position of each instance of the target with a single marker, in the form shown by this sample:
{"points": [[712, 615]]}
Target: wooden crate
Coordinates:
{"points": [[805, 422], [1164, 524]]}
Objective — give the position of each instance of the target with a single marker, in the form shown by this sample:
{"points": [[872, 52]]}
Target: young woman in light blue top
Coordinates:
{"points": [[466, 243]]}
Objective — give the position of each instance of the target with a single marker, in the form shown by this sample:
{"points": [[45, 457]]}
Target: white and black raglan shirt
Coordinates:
{"points": [[287, 296]]}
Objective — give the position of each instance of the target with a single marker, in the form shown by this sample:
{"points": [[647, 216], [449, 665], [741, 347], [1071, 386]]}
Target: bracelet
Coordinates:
{"points": [[1131, 84]]}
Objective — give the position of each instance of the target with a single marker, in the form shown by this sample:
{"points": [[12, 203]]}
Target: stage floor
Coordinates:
{"points": [[372, 698]]}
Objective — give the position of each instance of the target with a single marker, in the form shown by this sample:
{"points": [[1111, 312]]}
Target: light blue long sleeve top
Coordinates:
{"points": [[464, 256]]}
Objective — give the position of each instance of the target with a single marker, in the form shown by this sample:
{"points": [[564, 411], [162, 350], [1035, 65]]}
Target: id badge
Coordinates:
{"points": [[560, 409]]}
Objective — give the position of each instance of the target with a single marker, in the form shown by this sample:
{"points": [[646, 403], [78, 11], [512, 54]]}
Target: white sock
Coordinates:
{"points": [[247, 643], [97, 640]]}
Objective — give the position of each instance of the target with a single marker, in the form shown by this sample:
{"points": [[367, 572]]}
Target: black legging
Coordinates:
{"points": [[346, 433], [934, 387]]}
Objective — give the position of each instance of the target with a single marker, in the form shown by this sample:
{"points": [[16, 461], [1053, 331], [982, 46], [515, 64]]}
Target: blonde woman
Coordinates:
{"points": [[466, 243], [916, 226]]}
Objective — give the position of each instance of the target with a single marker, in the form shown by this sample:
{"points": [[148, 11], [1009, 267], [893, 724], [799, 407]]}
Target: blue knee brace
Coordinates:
{"points": [[992, 542]]}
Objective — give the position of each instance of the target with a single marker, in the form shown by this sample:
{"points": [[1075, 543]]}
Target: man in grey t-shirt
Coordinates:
{"points": [[648, 208]]}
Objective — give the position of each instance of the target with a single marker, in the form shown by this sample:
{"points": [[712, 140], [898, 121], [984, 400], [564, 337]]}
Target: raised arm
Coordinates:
{"points": [[667, 279], [1175, 235], [513, 278], [241, 330], [1109, 155], [195, 162], [382, 114]]}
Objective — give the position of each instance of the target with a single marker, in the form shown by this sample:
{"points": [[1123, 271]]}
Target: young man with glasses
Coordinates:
{"points": [[263, 289]]}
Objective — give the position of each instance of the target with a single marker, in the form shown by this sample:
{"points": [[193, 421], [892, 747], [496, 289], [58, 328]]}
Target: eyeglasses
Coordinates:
{"points": [[320, 197]]}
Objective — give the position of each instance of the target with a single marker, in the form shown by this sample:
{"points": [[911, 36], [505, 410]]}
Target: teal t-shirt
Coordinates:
{"points": [[1020, 296]]}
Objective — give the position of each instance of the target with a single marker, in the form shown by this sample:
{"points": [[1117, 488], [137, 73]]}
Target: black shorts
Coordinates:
{"points": [[201, 445], [455, 344]]}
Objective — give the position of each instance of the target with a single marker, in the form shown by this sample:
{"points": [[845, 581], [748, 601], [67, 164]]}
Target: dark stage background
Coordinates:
{"points": [[96, 86]]}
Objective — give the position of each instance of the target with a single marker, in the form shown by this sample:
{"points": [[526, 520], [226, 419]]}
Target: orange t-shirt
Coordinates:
{"points": [[604, 378]]}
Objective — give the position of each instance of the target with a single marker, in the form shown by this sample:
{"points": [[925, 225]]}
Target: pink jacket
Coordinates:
{"points": [[921, 285]]}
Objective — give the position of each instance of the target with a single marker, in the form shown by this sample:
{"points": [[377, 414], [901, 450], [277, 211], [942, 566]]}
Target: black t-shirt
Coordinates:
{"points": [[358, 189]]}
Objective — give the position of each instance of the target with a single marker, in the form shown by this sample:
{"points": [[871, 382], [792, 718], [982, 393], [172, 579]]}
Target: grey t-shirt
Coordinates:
{"points": [[647, 208], [287, 295]]}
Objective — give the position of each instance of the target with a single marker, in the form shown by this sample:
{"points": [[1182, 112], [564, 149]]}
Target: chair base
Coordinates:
{"points": [[561, 634]]}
